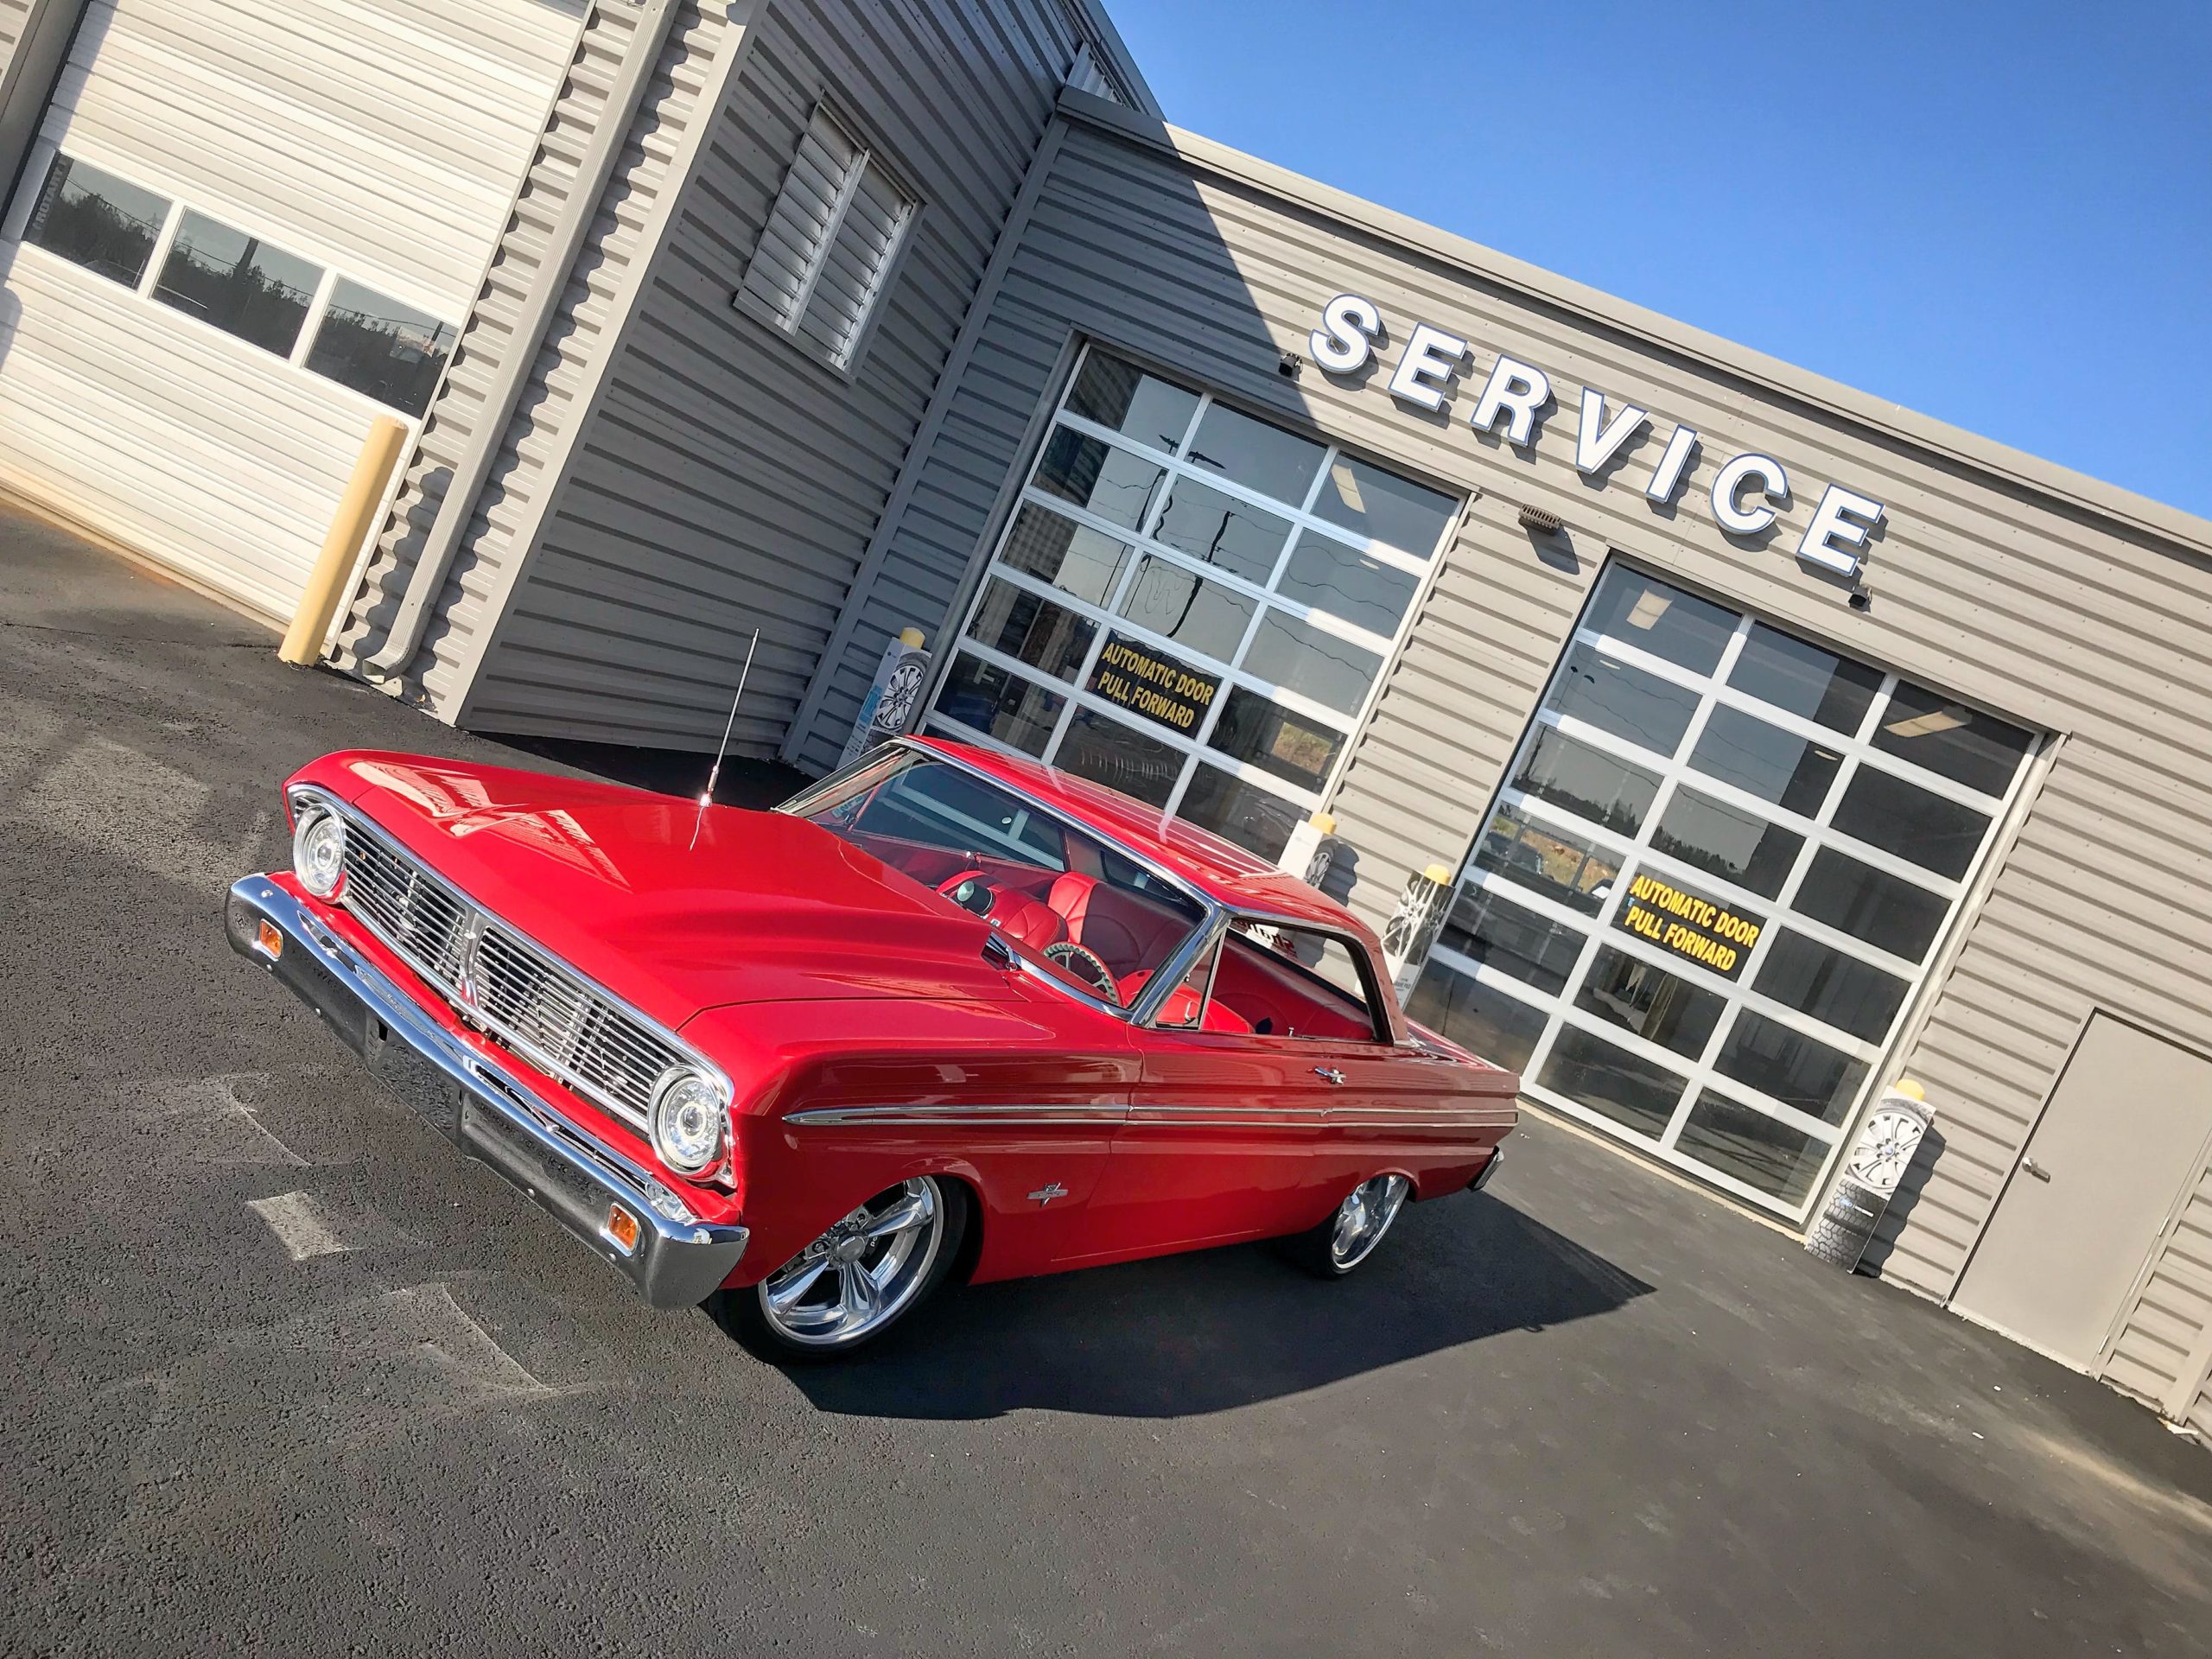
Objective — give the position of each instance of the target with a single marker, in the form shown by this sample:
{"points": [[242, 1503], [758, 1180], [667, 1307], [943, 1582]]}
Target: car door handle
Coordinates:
{"points": [[1330, 1072], [2035, 1169]]}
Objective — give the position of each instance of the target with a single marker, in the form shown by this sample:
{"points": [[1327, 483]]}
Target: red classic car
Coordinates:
{"points": [[946, 1012]]}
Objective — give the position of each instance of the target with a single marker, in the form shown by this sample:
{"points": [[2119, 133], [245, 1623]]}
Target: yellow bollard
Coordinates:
{"points": [[364, 495]]}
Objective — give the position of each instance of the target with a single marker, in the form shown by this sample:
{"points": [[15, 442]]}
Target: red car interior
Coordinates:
{"points": [[1274, 994]]}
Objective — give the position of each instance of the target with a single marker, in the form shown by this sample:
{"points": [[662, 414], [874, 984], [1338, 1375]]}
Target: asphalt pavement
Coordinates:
{"points": [[284, 1375]]}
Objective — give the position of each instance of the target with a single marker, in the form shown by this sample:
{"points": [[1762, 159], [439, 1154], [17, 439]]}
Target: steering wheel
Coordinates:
{"points": [[1066, 953], [969, 890]]}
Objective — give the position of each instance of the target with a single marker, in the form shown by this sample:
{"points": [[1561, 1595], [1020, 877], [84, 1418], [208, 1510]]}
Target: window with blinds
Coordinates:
{"points": [[826, 255]]}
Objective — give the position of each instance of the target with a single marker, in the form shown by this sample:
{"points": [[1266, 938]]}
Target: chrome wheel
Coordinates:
{"points": [[862, 1274], [1363, 1218]]}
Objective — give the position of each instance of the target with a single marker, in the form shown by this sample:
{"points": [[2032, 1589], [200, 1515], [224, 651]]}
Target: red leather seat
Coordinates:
{"points": [[1127, 931], [1182, 1002], [1024, 918]]}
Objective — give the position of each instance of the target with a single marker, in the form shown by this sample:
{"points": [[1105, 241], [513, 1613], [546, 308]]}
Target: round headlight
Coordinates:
{"points": [[687, 1121], [319, 850]]}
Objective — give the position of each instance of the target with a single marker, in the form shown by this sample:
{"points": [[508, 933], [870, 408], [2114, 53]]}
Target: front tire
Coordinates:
{"points": [[1353, 1229], [859, 1279]]}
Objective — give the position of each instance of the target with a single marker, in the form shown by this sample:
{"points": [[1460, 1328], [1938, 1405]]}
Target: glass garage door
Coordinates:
{"points": [[1720, 862], [1190, 605]]}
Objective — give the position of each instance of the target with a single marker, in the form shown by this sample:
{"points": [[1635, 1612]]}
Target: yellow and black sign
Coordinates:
{"points": [[1710, 935], [1137, 677]]}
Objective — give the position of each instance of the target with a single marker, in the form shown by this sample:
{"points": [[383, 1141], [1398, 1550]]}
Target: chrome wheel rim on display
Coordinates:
{"points": [[862, 1273], [1365, 1216]]}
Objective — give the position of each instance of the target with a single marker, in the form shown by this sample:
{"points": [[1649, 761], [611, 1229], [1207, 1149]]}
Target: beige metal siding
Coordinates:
{"points": [[566, 359], [2092, 624], [727, 477], [15, 18]]}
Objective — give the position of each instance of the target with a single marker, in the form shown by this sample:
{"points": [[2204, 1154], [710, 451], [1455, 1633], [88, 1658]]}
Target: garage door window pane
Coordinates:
{"points": [[1727, 842], [92, 219], [1587, 782], [1203, 615], [1569, 869], [1655, 1004], [1630, 1090], [1951, 739], [1120, 757], [1219, 530], [1835, 989], [1267, 735], [1648, 711], [1498, 933], [1792, 772], [1073, 558], [238, 282], [1800, 676], [1329, 576], [1758, 1150], [1113, 483], [1255, 819], [1888, 813], [1886, 911], [381, 348], [1663, 620], [987, 698], [1300, 658], [1016, 622], [1383, 507], [1795, 1069], [1483, 1020], [1121, 395], [1259, 456]]}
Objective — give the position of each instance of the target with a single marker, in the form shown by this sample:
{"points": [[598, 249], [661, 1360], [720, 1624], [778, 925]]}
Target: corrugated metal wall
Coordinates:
{"points": [[15, 18], [2091, 624], [727, 480], [567, 358], [2164, 1345]]}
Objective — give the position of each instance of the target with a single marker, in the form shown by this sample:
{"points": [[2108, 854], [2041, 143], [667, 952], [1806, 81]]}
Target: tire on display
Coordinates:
{"points": [[1354, 1228], [859, 1280]]}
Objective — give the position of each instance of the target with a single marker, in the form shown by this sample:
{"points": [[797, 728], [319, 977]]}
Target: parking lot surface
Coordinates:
{"points": [[284, 1374]]}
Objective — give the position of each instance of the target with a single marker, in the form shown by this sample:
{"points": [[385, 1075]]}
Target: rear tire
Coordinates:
{"points": [[1353, 1229], [857, 1282]]}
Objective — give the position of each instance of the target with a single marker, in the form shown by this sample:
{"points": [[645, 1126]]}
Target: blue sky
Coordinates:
{"points": [[1999, 215]]}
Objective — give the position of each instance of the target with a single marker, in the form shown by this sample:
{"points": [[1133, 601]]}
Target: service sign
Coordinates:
{"points": [[1710, 935], [1748, 492], [1132, 675]]}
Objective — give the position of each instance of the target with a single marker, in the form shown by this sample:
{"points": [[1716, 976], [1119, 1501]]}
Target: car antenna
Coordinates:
{"points": [[707, 795]]}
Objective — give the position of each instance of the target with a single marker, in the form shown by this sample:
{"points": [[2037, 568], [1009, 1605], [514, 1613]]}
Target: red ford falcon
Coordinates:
{"points": [[947, 1013]]}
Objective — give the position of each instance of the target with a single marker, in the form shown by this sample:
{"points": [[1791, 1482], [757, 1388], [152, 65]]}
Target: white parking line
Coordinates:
{"points": [[292, 1217]]}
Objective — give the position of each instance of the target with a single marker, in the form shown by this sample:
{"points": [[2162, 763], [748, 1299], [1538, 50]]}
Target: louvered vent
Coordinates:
{"points": [[830, 243]]}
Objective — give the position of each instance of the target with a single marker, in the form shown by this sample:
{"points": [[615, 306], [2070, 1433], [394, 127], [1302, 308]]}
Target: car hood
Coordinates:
{"points": [[763, 907]]}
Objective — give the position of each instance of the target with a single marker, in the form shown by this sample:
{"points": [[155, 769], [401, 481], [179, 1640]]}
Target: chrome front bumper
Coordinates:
{"points": [[484, 1107]]}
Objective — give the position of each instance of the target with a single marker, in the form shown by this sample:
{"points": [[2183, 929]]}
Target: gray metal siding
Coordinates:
{"points": [[727, 479], [2085, 623], [566, 357]]}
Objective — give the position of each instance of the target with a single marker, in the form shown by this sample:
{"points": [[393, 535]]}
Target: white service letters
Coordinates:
{"points": [[1750, 492]]}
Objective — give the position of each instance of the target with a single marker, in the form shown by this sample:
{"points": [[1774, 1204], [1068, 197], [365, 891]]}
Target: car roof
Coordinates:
{"points": [[1220, 869]]}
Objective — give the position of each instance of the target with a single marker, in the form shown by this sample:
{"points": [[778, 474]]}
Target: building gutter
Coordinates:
{"points": [[602, 151], [1583, 304]]}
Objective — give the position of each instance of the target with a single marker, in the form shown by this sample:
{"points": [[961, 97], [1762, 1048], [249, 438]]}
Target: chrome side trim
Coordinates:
{"points": [[818, 1117], [496, 1118]]}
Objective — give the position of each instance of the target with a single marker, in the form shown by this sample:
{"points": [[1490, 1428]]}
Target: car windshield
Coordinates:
{"points": [[1092, 916]]}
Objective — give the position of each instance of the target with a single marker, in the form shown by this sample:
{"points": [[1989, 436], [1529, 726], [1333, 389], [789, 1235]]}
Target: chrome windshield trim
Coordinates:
{"points": [[525, 1049]]}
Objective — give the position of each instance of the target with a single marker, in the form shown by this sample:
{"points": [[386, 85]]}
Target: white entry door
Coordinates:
{"points": [[247, 229]]}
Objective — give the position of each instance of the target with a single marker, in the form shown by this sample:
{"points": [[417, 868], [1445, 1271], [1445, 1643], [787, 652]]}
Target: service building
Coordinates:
{"points": [[1778, 742]]}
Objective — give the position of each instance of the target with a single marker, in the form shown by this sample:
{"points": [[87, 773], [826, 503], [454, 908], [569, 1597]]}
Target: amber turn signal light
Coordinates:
{"points": [[268, 941], [622, 1228]]}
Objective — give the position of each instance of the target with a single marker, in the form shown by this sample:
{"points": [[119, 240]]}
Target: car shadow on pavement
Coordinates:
{"points": [[1206, 1331]]}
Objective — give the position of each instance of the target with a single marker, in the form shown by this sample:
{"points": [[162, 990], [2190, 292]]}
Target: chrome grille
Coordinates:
{"points": [[548, 1014]]}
